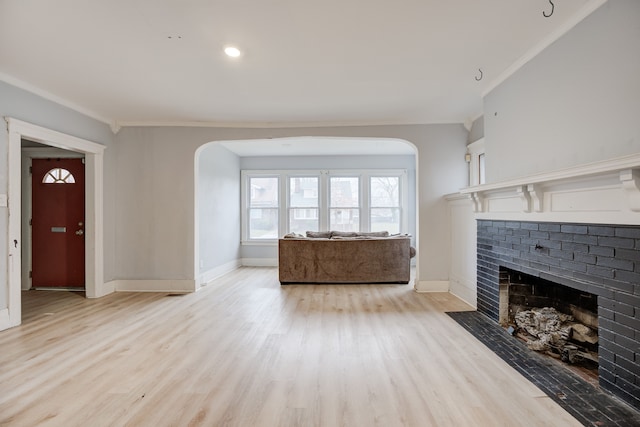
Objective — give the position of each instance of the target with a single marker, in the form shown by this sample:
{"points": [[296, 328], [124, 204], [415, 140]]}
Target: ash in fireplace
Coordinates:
{"points": [[548, 330]]}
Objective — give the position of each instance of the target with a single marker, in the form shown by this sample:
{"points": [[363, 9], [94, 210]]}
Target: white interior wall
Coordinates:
{"points": [[25, 106], [577, 102], [155, 191], [154, 224], [149, 186], [462, 271], [218, 211], [477, 130]]}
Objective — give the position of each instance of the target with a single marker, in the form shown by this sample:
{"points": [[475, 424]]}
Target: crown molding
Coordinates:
{"points": [[54, 98], [586, 10], [275, 125], [117, 125]]}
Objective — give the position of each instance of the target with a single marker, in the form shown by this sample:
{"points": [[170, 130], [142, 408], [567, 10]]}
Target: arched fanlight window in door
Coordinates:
{"points": [[58, 176]]}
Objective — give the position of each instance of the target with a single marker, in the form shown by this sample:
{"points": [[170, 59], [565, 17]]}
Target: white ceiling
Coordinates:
{"points": [[304, 62]]}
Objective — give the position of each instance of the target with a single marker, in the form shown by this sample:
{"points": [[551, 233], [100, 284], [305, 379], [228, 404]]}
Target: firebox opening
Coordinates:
{"points": [[551, 318]]}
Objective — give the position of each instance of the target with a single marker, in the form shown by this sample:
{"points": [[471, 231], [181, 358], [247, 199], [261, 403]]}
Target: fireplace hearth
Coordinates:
{"points": [[550, 318], [580, 396], [600, 267]]}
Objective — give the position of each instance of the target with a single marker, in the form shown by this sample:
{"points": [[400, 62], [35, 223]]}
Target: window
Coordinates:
{"points": [[58, 176], [303, 204], [344, 204], [263, 208], [384, 211], [481, 168], [475, 157], [296, 201]]}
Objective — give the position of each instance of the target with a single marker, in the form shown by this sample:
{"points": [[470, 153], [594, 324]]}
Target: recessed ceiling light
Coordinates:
{"points": [[232, 51]]}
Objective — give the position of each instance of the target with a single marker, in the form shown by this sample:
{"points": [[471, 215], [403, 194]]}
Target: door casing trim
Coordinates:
{"points": [[94, 222], [28, 154]]}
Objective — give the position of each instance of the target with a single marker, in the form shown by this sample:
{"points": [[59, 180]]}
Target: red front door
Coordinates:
{"points": [[58, 223]]}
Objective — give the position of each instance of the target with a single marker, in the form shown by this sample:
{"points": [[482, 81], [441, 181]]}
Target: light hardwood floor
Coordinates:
{"points": [[245, 351]]}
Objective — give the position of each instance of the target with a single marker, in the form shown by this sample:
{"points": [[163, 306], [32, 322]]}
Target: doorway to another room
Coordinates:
{"points": [[92, 221], [55, 251]]}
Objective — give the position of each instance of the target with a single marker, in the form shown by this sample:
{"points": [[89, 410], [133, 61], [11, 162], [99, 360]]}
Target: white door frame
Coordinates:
{"points": [[94, 258]]}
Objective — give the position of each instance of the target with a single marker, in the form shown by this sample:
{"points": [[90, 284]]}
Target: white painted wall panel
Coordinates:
{"points": [[588, 200], [577, 102], [504, 204], [462, 274]]}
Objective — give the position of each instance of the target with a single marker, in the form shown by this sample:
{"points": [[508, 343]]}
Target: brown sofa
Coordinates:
{"points": [[359, 259]]}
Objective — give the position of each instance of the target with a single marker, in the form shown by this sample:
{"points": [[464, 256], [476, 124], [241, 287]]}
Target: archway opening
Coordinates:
{"points": [[219, 181]]}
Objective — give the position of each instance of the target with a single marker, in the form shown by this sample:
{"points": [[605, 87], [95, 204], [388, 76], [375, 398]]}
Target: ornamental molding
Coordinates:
{"points": [[604, 192]]}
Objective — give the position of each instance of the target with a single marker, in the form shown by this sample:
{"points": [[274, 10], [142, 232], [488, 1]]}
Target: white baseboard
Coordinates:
{"points": [[5, 322], [431, 286], [153, 285], [260, 262], [466, 295], [216, 272], [464, 288], [104, 289]]}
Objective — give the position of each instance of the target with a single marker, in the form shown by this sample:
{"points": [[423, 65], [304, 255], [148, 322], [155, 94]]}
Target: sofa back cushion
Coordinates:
{"points": [[319, 234]]}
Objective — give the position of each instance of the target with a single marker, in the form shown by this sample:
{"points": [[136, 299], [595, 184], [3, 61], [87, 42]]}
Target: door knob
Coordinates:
{"points": [[80, 232]]}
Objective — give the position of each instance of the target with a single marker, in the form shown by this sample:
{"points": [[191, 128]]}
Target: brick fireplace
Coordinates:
{"points": [[603, 260]]}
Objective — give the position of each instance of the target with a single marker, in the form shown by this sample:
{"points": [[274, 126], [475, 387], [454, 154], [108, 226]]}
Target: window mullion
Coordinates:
{"points": [[283, 204], [244, 205], [365, 202], [404, 203], [323, 201]]}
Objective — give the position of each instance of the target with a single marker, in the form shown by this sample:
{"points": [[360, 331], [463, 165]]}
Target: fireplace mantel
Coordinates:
{"points": [[600, 192]]}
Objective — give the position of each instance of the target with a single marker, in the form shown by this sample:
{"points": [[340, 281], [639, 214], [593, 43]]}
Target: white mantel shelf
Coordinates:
{"points": [[605, 192]]}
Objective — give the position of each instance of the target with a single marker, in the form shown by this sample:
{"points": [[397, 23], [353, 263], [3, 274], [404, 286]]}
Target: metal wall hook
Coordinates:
{"points": [[478, 78], [550, 13]]}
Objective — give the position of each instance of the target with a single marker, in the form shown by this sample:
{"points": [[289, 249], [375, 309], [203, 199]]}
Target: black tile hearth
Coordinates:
{"points": [[586, 402]]}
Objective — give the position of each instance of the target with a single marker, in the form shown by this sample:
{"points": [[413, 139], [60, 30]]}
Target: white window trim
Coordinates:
{"points": [[474, 150], [245, 194], [284, 176], [402, 193]]}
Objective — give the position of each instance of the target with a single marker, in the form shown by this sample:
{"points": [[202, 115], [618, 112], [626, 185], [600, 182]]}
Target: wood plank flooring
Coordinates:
{"points": [[245, 351]]}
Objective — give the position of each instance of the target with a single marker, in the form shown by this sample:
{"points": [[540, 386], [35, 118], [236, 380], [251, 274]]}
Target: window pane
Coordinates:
{"points": [[385, 191], [264, 192], [385, 219], [263, 223], [344, 219], [303, 191], [344, 192], [58, 176], [302, 220]]}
